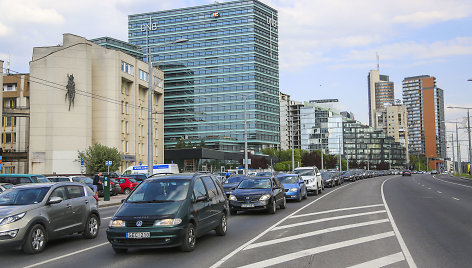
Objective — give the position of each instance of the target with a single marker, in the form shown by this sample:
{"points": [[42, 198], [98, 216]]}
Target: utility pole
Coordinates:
{"points": [[468, 133], [453, 155], [293, 147], [245, 139], [340, 162], [322, 162], [459, 168]]}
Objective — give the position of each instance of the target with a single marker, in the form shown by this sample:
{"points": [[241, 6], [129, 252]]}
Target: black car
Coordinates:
{"points": [[349, 176], [406, 172], [257, 193], [328, 179], [231, 183], [169, 211]]}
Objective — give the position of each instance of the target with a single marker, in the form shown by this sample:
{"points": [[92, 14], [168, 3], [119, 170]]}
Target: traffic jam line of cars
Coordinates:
{"points": [[160, 211]]}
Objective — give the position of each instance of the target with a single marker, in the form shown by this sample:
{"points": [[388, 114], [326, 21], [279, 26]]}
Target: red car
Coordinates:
{"points": [[127, 184]]}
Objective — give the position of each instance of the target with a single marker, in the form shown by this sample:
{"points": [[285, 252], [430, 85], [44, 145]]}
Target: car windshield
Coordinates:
{"points": [[288, 179], [235, 179], [305, 172], [162, 190], [22, 196], [325, 175], [255, 184]]}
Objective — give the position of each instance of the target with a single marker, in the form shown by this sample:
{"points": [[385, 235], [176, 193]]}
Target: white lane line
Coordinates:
{"points": [[336, 210], [321, 249], [439, 192], [328, 219], [405, 250], [429, 188], [324, 231], [422, 185], [234, 252], [452, 182], [456, 198], [381, 262], [67, 255]]}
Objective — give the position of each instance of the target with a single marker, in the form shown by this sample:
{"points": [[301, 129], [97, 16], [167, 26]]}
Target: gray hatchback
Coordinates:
{"points": [[32, 214]]}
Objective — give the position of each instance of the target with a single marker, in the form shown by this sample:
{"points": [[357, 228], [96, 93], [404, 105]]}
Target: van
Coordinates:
{"points": [[312, 177], [157, 169], [22, 178]]}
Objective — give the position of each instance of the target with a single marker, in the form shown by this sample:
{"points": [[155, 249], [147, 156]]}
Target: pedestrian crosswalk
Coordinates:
{"points": [[360, 236]]}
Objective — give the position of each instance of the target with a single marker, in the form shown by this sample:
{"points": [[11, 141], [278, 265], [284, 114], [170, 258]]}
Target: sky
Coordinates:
{"points": [[326, 48]]}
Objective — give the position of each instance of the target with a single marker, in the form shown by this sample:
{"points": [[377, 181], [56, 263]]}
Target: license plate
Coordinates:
{"points": [[138, 235], [247, 205]]}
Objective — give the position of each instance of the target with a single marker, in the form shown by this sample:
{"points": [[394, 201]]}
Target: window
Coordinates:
{"points": [[210, 185], [126, 127], [127, 68], [59, 192], [126, 108], [199, 189], [126, 146], [9, 87], [75, 191], [143, 75]]}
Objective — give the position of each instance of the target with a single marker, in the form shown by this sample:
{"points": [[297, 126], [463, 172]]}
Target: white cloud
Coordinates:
{"points": [[4, 30], [25, 11]]}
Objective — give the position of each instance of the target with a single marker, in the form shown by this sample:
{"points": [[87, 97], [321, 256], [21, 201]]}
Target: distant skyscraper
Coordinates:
{"points": [[380, 92], [425, 106], [231, 56]]}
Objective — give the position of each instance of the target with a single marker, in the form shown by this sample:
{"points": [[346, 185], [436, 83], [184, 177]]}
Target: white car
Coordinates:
{"points": [[312, 178]]}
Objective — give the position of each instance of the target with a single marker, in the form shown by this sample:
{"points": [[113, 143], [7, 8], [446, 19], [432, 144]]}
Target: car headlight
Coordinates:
{"points": [[232, 197], [264, 197], [293, 190], [117, 223], [11, 219], [167, 222]]}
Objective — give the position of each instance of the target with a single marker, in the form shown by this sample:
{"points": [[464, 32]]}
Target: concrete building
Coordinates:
{"points": [[15, 122], [380, 92], [90, 94], [285, 121], [230, 58], [426, 128]]}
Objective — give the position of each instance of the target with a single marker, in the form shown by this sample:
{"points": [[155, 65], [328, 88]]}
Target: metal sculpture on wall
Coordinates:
{"points": [[70, 94]]}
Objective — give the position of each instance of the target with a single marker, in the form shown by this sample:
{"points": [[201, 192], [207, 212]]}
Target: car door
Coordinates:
{"points": [[201, 208], [213, 202], [59, 214], [79, 203]]}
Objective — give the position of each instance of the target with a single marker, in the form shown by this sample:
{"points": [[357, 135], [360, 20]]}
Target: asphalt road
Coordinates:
{"points": [[418, 221]]}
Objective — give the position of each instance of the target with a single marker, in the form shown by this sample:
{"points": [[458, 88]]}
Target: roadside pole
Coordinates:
{"points": [[106, 187]]}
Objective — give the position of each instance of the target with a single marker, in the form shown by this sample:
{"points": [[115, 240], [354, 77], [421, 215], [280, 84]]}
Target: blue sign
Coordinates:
{"points": [[154, 167], [82, 161], [108, 163]]}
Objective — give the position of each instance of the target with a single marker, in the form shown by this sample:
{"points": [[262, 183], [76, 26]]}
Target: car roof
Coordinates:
{"points": [[20, 175]]}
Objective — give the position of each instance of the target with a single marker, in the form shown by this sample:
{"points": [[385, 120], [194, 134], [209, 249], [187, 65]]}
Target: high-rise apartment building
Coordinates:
{"points": [[228, 67], [425, 106], [285, 121], [380, 92]]}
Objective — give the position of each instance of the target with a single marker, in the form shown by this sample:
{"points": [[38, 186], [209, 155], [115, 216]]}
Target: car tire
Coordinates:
{"points": [[127, 191], [222, 226], [284, 203], [120, 250], [300, 197], [272, 208], [36, 240], [189, 240], [233, 211], [91, 227]]}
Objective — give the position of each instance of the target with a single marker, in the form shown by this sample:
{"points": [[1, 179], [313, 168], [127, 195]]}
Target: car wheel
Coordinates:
{"points": [[316, 191], [300, 197], [35, 240], [272, 208], [284, 203], [223, 226], [120, 250], [91, 227], [190, 237], [233, 211], [127, 191]]}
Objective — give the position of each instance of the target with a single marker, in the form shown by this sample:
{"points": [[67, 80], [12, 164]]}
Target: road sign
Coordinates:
{"points": [[1, 162], [82, 161], [108, 163]]}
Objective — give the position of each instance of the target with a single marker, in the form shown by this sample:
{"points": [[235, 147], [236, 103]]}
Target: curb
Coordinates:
{"points": [[100, 205]]}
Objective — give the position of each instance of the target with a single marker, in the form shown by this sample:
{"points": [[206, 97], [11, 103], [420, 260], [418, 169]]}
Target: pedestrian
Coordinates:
{"points": [[97, 183]]}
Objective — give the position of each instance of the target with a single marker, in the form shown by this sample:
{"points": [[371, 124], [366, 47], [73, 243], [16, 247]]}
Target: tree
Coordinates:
{"points": [[96, 155], [181, 143], [202, 143], [283, 166]]}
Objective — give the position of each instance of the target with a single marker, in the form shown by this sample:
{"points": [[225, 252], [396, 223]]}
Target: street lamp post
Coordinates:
{"points": [[468, 128], [146, 28], [293, 147]]}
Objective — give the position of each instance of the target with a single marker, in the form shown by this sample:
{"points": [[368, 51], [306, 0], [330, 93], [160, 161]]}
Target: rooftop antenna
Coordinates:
{"points": [[378, 61], [8, 64]]}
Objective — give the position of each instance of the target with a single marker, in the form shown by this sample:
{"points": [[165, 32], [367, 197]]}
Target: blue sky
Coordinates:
{"points": [[326, 47]]}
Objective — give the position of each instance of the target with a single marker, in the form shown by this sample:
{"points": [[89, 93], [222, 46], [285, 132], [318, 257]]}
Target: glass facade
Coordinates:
{"points": [[228, 65]]}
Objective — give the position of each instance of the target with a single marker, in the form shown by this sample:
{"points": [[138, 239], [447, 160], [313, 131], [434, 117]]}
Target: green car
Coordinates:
{"points": [[169, 211]]}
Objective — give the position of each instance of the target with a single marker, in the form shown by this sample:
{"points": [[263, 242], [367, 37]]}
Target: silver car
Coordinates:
{"points": [[32, 214]]}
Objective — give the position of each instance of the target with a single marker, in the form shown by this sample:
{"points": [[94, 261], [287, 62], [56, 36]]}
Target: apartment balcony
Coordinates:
{"points": [[16, 112]]}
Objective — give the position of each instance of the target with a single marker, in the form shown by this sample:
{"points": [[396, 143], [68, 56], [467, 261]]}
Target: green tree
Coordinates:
{"points": [[96, 155], [283, 166], [202, 143], [181, 143]]}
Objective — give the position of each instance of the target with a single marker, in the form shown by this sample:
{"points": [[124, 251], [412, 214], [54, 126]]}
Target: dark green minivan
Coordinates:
{"points": [[169, 211]]}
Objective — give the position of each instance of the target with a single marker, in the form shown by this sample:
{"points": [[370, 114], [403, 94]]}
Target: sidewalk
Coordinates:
{"points": [[114, 201]]}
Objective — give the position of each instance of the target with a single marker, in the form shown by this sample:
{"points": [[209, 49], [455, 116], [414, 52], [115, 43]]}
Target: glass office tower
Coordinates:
{"points": [[231, 56]]}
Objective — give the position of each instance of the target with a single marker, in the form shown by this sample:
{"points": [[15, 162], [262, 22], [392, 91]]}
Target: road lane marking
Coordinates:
{"points": [[321, 249], [381, 262], [335, 210], [429, 188], [439, 192], [328, 219], [237, 250], [456, 198], [452, 182], [324, 231], [67, 255], [406, 252]]}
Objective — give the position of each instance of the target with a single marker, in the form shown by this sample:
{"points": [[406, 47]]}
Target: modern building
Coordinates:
{"points": [[285, 121], [348, 115], [380, 92], [426, 128], [227, 68], [115, 44], [15, 122], [90, 94]]}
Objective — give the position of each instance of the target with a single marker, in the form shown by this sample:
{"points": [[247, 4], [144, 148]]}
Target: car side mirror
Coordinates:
{"points": [[54, 200], [201, 198], [301, 182]]}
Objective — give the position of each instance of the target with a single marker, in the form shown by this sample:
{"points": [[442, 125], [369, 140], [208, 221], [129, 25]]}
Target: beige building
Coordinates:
{"points": [[90, 94], [380, 92], [394, 122], [15, 122]]}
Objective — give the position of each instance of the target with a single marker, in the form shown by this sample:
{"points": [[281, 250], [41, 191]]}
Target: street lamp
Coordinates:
{"points": [[468, 127], [459, 160], [146, 28]]}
